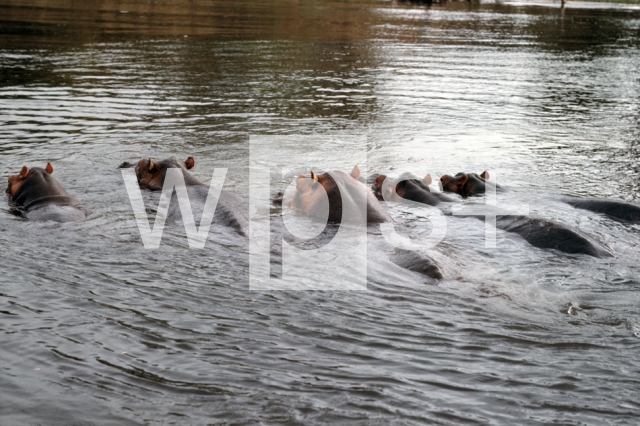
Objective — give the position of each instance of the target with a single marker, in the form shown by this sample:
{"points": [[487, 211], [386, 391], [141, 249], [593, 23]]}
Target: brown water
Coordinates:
{"points": [[96, 329]]}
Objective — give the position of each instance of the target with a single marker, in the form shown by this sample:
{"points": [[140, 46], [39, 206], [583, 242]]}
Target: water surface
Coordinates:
{"points": [[97, 329]]}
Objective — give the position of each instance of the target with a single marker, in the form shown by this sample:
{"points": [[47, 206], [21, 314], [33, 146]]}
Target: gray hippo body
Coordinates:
{"points": [[547, 234], [617, 210], [417, 262], [230, 211]]}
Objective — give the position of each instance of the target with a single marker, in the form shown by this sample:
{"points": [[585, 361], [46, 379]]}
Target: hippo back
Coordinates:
{"points": [[547, 234], [618, 210], [230, 211]]}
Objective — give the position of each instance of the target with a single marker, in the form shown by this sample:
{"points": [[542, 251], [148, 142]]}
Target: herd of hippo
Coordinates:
{"points": [[35, 194]]}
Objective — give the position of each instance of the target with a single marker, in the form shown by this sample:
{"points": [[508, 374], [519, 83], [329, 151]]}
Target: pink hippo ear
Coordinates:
{"points": [[315, 179], [428, 179], [355, 173], [190, 163], [49, 168], [152, 166], [24, 173], [485, 175]]}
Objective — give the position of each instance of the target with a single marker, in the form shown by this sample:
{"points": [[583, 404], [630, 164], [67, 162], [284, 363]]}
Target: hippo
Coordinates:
{"points": [[467, 184], [538, 232], [151, 175], [409, 187], [614, 209], [35, 194], [308, 199], [541, 233]]}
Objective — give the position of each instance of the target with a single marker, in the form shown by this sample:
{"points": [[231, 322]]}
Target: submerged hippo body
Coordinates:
{"points": [[547, 234], [229, 210], [467, 184], [409, 187], [617, 210], [312, 200], [37, 195], [417, 262]]}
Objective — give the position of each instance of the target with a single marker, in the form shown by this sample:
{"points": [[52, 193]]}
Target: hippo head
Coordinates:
{"points": [[317, 194], [151, 173], [454, 183], [464, 184], [16, 182], [384, 190]]}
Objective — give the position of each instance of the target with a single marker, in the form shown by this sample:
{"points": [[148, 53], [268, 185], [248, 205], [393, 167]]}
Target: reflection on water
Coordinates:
{"points": [[548, 100]]}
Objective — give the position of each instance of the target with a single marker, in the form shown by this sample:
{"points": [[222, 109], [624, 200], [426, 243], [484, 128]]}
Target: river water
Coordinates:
{"points": [[97, 330]]}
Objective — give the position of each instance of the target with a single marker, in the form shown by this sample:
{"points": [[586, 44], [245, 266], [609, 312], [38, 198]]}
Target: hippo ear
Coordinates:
{"points": [[152, 166], [315, 178], [485, 175], [49, 168], [463, 179], [190, 163], [23, 173], [428, 179], [355, 173]]}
